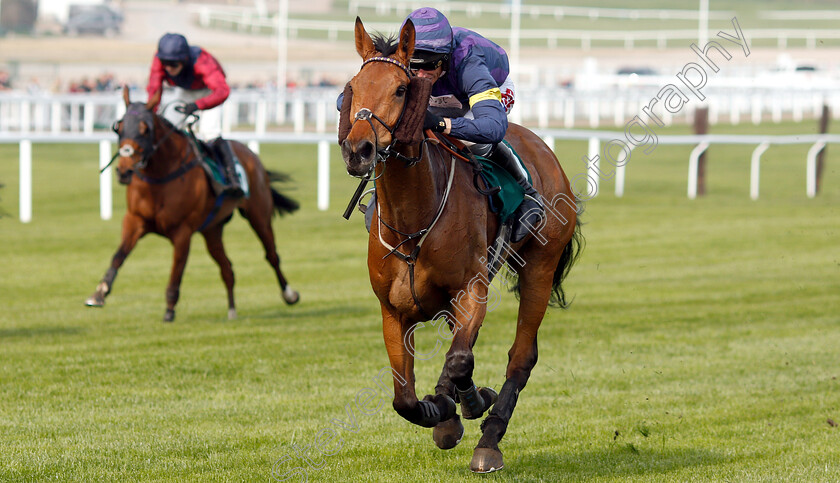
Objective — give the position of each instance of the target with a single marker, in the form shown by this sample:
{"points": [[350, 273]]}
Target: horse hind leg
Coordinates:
{"points": [[261, 223], [213, 240], [181, 243], [522, 358]]}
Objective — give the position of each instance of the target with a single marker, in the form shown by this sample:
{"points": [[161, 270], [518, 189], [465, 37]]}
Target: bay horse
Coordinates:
{"points": [[428, 245], [168, 193]]}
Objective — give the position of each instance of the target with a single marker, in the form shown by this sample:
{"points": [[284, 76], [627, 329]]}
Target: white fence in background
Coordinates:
{"points": [[323, 141], [250, 21], [253, 112], [700, 143], [474, 9]]}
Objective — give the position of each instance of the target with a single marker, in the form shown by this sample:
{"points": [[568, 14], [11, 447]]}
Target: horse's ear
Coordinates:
{"points": [[154, 100], [126, 97], [364, 45], [406, 45]]}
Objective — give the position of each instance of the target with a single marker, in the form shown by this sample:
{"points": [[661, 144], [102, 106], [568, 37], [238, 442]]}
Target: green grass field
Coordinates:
{"points": [[702, 343]]}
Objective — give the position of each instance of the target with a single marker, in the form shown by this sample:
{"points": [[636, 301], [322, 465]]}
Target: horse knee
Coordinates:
{"points": [[460, 366]]}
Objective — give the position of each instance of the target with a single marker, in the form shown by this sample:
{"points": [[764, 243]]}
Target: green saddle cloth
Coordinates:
{"points": [[218, 179], [508, 199]]}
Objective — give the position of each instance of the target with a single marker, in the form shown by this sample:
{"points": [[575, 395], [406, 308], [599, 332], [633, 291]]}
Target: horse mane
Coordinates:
{"points": [[385, 45], [166, 123]]}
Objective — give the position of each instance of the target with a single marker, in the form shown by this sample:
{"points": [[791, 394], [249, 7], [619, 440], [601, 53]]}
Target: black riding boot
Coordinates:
{"points": [[530, 213], [233, 187]]}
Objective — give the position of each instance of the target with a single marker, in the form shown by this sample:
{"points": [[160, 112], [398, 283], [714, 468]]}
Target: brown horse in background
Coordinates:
{"points": [[443, 268], [168, 193]]}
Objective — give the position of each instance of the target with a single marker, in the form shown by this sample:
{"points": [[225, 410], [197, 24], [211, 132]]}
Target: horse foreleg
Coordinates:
{"points": [[133, 229], [213, 239], [432, 409], [522, 358], [456, 377], [181, 243], [460, 362]]}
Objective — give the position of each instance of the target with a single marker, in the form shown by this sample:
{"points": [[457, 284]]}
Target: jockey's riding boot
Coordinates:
{"points": [[233, 187], [531, 212]]}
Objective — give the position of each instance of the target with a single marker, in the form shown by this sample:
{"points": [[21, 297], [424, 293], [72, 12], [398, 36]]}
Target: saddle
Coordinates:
{"points": [[504, 195], [213, 161]]}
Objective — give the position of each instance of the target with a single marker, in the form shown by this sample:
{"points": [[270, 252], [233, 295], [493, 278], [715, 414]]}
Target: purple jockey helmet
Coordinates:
{"points": [[433, 33]]}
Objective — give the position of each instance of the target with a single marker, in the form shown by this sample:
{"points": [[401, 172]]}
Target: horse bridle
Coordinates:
{"points": [[145, 142], [365, 114]]}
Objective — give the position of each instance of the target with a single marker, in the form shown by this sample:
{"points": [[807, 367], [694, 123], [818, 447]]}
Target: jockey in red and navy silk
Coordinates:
{"points": [[471, 96], [188, 67]]}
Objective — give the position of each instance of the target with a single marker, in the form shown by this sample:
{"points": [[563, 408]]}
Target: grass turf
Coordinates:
{"points": [[701, 345]]}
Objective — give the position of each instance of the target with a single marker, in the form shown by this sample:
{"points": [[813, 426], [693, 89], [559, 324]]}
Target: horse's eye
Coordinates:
{"points": [[401, 91]]}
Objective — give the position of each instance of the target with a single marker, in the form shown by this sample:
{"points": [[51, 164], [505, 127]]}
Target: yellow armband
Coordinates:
{"points": [[492, 94]]}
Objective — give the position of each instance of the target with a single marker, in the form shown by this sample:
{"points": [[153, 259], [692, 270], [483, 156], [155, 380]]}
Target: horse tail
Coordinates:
{"points": [[282, 203], [571, 252]]}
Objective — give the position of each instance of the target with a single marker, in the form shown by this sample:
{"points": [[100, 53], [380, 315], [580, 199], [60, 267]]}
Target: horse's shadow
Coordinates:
{"points": [[39, 331], [344, 310]]}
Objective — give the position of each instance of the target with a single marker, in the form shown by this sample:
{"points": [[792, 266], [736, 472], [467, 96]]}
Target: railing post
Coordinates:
{"points": [[55, 117], [593, 170], [321, 116], [261, 118], [25, 181], [323, 175], [88, 114], [693, 167], [811, 169], [755, 166], [619, 174], [299, 114], [25, 120], [106, 205]]}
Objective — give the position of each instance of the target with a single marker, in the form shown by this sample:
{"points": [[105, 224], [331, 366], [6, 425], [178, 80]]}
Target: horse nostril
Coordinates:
{"points": [[365, 149]]}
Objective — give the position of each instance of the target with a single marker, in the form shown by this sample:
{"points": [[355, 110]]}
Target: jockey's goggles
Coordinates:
{"points": [[170, 63], [427, 61]]}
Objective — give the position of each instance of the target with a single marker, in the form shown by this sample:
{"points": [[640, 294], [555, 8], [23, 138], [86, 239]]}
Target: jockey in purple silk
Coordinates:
{"points": [[471, 97]]}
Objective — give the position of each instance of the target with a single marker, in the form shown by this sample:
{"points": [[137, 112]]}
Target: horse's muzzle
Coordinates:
{"points": [[358, 158], [124, 177]]}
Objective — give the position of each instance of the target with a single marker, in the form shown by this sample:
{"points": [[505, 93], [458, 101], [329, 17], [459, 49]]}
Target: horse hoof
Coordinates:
{"points": [[231, 314], [448, 434], [95, 300], [290, 296], [169, 316], [486, 460]]}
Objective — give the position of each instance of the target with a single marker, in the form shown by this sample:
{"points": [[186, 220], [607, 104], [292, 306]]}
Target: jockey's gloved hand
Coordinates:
{"points": [[434, 122], [190, 108]]}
